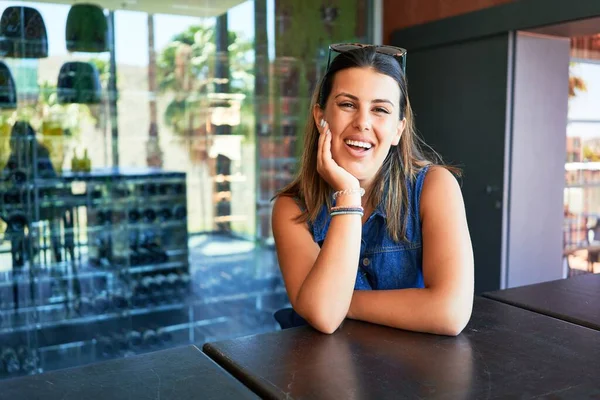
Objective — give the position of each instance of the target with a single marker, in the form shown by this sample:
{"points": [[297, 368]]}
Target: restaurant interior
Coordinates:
{"points": [[142, 142]]}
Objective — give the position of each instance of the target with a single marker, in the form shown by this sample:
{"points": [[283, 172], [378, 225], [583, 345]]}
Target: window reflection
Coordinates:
{"points": [[582, 165], [138, 162]]}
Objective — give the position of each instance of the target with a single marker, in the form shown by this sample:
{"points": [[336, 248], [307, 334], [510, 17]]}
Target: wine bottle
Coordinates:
{"points": [[156, 254], [101, 303], [154, 288], [11, 196], [119, 301], [16, 223], [104, 217], [84, 306], [179, 212], [172, 283], [165, 214], [149, 338], [28, 359], [105, 346], [134, 338], [139, 296], [18, 177], [161, 294], [150, 189], [179, 188], [120, 340], [10, 361], [164, 336], [149, 215], [134, 216], [148, 286], [163, 189]]}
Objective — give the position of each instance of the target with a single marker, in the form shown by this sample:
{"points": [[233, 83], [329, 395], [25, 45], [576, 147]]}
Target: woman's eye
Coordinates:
{"points": [[381, 110], [346, 105]]}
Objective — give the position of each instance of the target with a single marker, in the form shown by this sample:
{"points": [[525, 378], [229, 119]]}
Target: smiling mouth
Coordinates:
{"points": [[357, 145]]}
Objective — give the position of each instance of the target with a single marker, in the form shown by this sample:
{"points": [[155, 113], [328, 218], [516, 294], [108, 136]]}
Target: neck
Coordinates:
{"points": [[367, 185]]}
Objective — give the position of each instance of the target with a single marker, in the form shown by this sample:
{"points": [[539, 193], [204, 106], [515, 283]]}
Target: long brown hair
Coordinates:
{"points": [[400, 167]]}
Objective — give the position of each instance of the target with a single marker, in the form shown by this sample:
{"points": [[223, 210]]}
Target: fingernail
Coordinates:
{"points": [[322, 122], [328, 132]]}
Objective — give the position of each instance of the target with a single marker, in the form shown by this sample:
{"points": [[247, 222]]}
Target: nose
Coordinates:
{"points": [[362, 122]]}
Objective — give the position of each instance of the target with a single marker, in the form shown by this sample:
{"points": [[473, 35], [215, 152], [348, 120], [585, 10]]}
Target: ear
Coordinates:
{"points": [[400, 130], [318, 114]]}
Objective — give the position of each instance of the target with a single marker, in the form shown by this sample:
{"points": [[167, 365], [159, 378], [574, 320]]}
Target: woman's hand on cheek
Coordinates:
{"points": [[337, 177]]}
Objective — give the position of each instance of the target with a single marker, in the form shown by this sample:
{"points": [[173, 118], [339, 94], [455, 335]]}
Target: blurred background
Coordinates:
{"points": [[140, 145], [141, 142]]}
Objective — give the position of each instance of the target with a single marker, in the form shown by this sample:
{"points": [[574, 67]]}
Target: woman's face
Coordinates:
{"points": [[363, 115]]}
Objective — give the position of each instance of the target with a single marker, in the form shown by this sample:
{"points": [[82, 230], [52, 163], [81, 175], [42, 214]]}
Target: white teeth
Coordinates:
{"points": [[358, 144]]}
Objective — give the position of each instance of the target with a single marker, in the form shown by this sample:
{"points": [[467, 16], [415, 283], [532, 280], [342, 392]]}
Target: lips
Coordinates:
{"points": [[358, 143], [356, 151]]}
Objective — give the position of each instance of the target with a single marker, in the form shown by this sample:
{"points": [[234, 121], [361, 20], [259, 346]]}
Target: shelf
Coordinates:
{"points": [[155, 267], [90, 271], [113, 227], [20, 280], [73, 201], [79, 320], [90, 348]]}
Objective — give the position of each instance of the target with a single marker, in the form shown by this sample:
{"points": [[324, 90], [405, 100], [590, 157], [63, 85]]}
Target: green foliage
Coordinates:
{"points": [[589, 154], [186, 68], [70, 117], [306, 38], [103, 67]]}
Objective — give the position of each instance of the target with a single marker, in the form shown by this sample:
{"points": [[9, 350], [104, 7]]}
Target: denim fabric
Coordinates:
{"points": [[385, 264]]}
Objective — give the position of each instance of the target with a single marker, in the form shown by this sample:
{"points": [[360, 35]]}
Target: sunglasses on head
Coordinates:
{"points": [[396, 52]]}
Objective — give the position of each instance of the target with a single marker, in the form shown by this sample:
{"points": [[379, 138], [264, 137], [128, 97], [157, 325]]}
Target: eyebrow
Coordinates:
{"points": [[353, 97]]}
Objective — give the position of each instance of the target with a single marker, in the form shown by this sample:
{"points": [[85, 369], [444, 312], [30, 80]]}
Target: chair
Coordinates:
{"points": [[288, 318]]}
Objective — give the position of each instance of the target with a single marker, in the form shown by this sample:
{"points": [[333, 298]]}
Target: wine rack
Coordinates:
{"points": [[95, 263]]}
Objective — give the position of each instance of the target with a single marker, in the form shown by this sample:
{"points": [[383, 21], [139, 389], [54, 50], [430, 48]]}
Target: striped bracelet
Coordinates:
{"points": [[350, 208], [333, 214], [346, 210]]}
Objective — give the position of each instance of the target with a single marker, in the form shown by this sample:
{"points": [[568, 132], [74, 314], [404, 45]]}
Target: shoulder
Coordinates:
{"points": [[441, 190], [285, 208]]}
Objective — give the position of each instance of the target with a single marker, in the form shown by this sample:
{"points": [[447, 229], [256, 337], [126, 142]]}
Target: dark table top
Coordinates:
{"points": [[575, 299], [504, 352], [180, 373]]}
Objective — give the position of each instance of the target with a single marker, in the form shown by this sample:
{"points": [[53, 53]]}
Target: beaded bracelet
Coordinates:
{"points": [[360, 191], [350, 208], [346, 210], [343, 212]]}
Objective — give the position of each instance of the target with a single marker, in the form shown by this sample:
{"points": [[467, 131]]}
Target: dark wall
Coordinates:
{"points": [[405, 13], [459, 95], [460, 72]]}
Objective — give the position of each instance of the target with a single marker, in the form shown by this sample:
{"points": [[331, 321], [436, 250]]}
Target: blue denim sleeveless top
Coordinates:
{"points": [[383, 263]]}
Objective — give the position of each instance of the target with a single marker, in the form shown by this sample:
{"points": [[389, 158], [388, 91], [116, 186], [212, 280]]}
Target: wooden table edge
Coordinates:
{"points": [[537, 310], [261, 387]]}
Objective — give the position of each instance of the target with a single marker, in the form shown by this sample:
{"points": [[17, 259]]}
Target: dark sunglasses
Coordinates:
{"points": [[383, 49]]}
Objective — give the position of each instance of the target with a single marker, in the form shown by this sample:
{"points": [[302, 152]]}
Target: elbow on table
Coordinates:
{"points": [[319, 317], [455, 319], [324, 323]]}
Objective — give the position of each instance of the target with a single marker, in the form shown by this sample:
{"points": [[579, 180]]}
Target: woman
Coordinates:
{"points": [[395, 248]]}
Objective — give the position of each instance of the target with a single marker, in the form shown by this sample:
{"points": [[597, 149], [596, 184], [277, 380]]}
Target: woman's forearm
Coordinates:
{"points": [[325, 295], [421, 310]]}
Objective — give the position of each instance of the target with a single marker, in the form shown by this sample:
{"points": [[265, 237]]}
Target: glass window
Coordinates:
{"points": [[138, 162], [582, 168]]}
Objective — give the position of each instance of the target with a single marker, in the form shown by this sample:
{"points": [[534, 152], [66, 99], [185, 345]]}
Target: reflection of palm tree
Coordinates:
{"points": [[186, 67], [576, 84], [153, 151]]}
